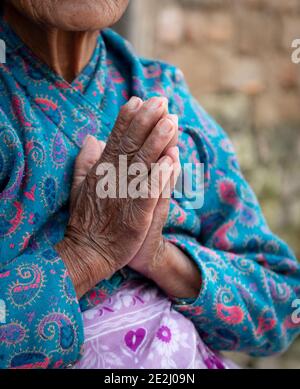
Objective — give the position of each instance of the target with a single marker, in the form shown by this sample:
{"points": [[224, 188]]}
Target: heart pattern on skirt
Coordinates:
{"points": [[134, 339]]}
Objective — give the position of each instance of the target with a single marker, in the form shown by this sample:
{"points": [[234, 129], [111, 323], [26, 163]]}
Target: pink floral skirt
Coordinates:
{"points": [[137, 328]]}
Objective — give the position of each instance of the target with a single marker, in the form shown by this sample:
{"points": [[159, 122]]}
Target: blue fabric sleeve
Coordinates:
{"points": [[250, 278], [41, 325]]}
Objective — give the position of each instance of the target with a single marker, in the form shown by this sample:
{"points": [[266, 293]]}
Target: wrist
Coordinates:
{"points": [[85, 267], [158, 267], [79, 279], [177, 274], [152, 266]]}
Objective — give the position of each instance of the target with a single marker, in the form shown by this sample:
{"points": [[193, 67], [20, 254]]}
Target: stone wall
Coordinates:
{"points": [[236, 56]]}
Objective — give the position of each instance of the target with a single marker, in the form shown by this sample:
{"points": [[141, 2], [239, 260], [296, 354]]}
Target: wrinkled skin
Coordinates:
{"points": [[114, 232], [62, 33], [103, 236], [72, 15]]}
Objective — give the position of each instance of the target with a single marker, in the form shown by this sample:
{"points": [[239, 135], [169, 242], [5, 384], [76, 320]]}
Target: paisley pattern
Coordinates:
{"points": [[49, 192], [249, 276], [30, 360], [59, 150], [12, 334], [29, 282], [50, 109], [10, 222], [58, 325], [36, 152]]}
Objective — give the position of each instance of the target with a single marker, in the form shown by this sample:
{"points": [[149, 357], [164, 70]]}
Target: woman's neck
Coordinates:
{"points": [[66, 52]]}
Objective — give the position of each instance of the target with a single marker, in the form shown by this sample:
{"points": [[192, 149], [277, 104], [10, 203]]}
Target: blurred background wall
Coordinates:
{"points": [[236, 56]]}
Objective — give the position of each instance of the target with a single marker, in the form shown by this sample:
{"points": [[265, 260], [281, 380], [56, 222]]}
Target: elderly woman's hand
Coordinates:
{"points": [[161, 261], [104, 235], [152, 252]]}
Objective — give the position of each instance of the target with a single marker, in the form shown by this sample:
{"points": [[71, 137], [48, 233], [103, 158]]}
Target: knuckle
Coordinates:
{"points": [[111, 150], [119, 128], [88, 163], [123, 117], [128, 145], [142, 121], [126, 112], [123, 120], [158, 142], [144, 156]]}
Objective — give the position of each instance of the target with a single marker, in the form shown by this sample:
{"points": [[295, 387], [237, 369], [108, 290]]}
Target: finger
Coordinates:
{"points": [[89, 155], [174, 140], [160, 214], [162, 208], [173, 153], [154, 184], [102, 145], [157, 141], [126, 115], [142, 125]]}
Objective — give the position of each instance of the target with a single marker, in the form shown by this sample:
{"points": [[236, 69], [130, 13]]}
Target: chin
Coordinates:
{"points": [[83, 15], [73, 15]]}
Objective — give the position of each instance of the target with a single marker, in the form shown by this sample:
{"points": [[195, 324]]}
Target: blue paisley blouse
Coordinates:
{"points": [[250, 277]]}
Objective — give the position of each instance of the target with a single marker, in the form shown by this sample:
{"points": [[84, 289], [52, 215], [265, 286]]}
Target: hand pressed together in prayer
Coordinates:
{"points": [[105, 235]]}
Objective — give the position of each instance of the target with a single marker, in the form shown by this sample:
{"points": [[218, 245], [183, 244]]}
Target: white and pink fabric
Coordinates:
{"points": [[137, 328]]}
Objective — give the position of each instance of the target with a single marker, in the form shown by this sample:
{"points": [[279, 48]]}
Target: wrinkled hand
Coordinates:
{"points": [[104, 235], [153, 251]]}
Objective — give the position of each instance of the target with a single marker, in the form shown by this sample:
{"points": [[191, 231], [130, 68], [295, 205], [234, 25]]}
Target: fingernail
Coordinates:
{"points": [[174, 119], [165, 103], [86, 140], [134, 103], [157, 102], [166, 126]]}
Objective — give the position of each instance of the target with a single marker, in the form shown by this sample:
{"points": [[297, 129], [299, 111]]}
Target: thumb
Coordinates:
{"points": [[90, 153]]}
